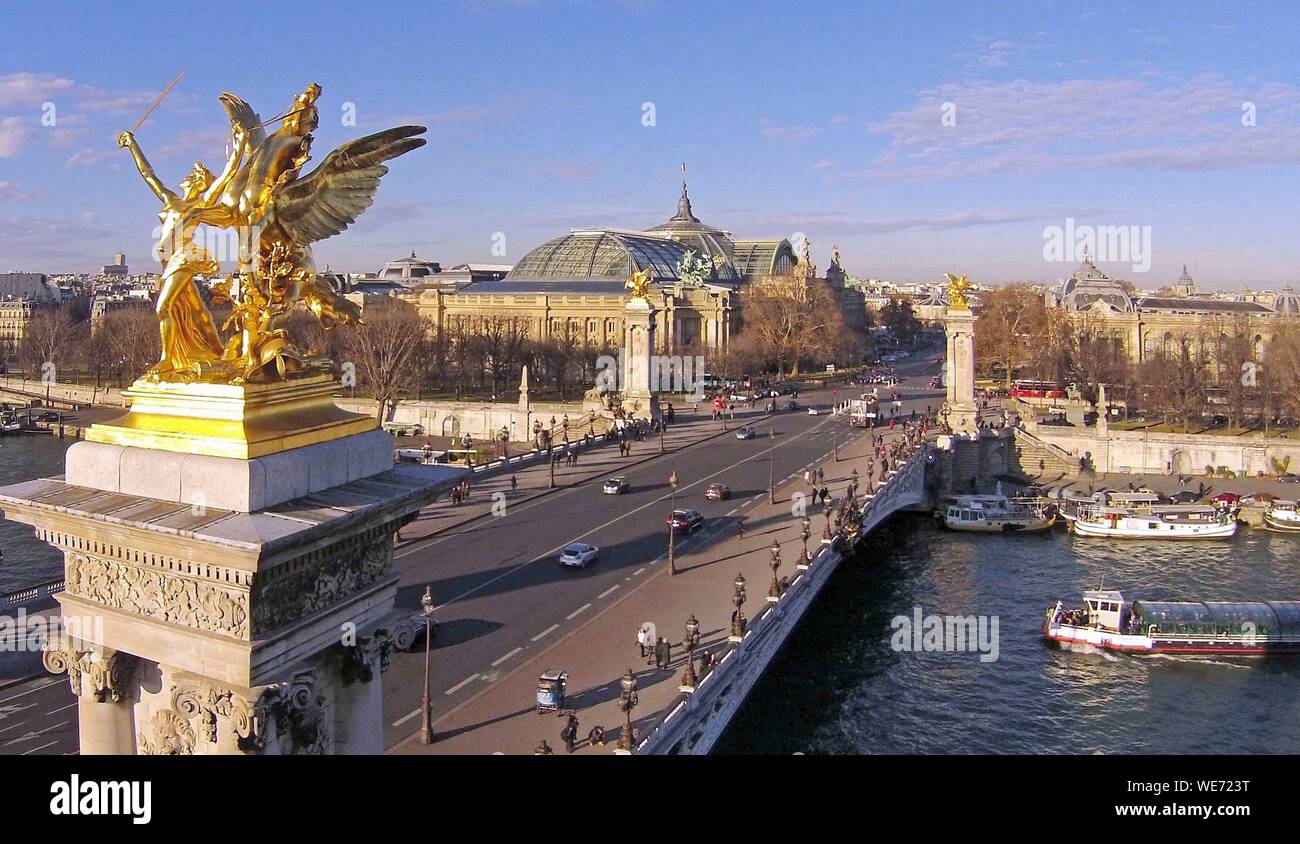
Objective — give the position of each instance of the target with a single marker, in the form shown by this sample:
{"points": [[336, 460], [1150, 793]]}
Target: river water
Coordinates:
{"points": [[27, 560], [839, 687]]}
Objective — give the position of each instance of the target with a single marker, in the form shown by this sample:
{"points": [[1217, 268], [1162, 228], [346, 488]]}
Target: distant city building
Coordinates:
{"points": [[1142, 325], [118, 267], [571, 288]]}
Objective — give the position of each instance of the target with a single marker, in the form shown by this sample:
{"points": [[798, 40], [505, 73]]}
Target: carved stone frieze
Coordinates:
{"points": [[159, 595], [283, 599]]}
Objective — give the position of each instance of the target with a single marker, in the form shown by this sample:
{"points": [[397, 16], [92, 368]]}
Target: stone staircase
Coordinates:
{"points": [[1057, 463]]}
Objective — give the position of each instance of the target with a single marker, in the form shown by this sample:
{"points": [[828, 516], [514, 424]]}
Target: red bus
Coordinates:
{"points": [[1037, 390]]}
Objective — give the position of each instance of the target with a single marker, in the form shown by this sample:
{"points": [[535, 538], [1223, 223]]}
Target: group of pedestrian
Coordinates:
{"points": [[460, 492], [656, 651]]}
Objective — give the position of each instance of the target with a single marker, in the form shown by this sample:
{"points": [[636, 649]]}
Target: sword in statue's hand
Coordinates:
{"points": [[164, 93]]}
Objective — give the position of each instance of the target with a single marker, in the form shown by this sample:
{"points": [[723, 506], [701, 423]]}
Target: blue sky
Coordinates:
{"points": [[822, 119]]}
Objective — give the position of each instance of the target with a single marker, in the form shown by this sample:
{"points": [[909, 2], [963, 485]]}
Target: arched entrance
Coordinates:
{"points": [[451, 427]]}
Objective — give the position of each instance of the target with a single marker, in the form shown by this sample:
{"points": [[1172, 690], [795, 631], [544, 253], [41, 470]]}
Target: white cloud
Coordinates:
{"points": [[789, 133]]}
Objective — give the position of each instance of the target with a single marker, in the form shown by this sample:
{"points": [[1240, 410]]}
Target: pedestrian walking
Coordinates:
{"points": [[569, 735], [514, 483], [642, 639], [740, 530]]}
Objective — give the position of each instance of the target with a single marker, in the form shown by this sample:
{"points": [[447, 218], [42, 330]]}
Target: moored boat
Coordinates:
{"points": [[1282, 515], [1107, 622], [1139, 516], [996, 514]]}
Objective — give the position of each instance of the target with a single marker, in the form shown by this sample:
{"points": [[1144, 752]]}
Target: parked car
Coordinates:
{"points": [[48, 416], [717, 491], [578, 555], [616, 486], [687, 520], [1226, 498], [746, 433], [1289, 478], [1185, 496], [812, 411]]}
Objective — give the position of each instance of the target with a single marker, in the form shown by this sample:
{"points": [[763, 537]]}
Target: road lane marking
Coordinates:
{"points": [[61, 708], [598, 528], [462, 684], [638, 571], [502, 659], [579, 611], [34, 749], [407, 717], [29, 691], [608, 591], [548, 631]]}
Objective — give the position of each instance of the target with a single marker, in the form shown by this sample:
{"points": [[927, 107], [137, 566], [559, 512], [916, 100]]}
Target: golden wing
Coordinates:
{"points": [[330, 198]]}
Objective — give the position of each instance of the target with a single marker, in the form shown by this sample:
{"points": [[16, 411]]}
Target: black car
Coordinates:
{"points": [[48, 416], [687, 520]]}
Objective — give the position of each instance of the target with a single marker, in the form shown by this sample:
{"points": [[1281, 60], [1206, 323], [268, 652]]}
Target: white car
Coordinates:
{"points": [[578, 555], [812, 411]]}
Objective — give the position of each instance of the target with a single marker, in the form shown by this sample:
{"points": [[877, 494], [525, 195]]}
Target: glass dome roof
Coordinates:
{"points": [[611, 255]]}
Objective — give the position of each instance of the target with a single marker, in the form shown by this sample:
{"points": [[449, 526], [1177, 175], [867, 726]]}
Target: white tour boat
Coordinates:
{"points": [[1233, 628], [1139, 516], [1282, 515], [996, 514]]}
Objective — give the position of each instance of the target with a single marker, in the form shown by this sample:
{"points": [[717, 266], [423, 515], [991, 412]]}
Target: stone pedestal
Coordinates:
{"points": [[257, 626], [963, 412], [640, 377]]}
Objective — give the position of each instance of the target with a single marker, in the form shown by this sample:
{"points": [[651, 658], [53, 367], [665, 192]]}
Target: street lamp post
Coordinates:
{"points": [[805, 561], [692, 642], [627, 701], [426, 711], [774, 591], [826, 534], [738, 621]]}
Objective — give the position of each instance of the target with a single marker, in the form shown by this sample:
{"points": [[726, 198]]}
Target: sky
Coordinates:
{"points": [[920, 137]]}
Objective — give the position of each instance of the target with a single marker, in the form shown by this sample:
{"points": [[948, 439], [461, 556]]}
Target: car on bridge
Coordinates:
{"points": [[578, 554], [746, 433], [616, 486], [687, 520], [717, 491]]}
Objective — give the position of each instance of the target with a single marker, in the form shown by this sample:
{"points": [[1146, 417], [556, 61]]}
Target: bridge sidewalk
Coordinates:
{"points": [[503, 718]]}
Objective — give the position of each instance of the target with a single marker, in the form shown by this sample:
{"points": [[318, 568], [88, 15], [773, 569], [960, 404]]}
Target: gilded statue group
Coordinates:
{"points": [[278, 214]]}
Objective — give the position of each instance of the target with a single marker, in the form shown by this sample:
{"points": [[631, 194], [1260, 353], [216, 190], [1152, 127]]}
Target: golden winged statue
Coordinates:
{"points": [[278, 214], [639, 284], [957, 287]]}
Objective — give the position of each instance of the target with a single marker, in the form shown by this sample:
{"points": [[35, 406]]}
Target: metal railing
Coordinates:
{"points": [[31, 594]]}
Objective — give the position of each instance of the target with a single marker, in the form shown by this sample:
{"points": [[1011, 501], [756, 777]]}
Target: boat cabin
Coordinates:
{"points": [[1104, 608]]}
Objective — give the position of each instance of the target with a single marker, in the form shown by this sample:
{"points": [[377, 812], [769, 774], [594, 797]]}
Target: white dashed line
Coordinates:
{"points": [[638, 571], [579, 611], [507, 656], [462, 684], [548, 631], [608, 591]]}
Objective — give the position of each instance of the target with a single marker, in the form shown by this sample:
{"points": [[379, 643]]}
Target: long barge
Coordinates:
{"points": [[1107, 622]]}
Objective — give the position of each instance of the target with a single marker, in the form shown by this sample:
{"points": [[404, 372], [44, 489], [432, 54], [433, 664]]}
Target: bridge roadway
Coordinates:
{"points": [[504, 602]]}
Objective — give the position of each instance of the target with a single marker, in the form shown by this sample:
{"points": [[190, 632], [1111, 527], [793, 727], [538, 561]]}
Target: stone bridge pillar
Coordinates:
{"points": [[228, 558], [963, 413]]}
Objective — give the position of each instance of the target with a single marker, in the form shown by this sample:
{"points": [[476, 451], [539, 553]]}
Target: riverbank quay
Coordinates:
{"points": [[596, 654]]}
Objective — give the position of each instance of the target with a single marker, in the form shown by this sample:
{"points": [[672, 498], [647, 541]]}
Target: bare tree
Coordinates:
{"points": [[131, 340], [48, 339], [790, 321], [383, 349], [1010, 330]]}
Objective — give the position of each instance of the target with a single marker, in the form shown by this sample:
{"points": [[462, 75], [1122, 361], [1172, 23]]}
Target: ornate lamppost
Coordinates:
{"points": [[826, 534], [738, 621], [627, 701], [774, 591], [426, 711], [806, 531], [692, 642]]}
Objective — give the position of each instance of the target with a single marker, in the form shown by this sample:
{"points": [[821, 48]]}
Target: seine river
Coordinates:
{"points": [[839, 686], [27, 560]]}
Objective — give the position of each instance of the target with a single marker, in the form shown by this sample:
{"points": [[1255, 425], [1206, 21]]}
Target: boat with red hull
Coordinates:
{"points": [[1235, 628]]}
